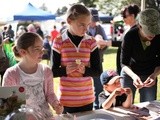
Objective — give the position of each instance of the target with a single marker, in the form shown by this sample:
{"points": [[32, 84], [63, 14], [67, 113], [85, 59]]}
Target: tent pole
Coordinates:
{"points": [[143, 3]]}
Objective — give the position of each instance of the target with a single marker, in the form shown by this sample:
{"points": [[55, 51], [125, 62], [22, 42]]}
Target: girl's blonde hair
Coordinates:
{"points": [[76, 11]]}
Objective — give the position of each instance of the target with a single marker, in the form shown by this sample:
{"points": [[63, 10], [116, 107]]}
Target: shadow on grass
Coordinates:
{"points": [[111, 50]]}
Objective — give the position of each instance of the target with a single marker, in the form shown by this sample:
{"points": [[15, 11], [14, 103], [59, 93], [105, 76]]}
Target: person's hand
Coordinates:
{"points": [[98, 37], [118, 91], [150, 81], [101, 44], [75, 67], [6, 40], [71, 67], [109, 43], [58, 107], [128, 91], [81, 68], [137, 82]]}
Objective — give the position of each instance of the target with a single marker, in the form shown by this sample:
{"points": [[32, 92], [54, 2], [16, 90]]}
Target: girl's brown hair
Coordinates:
{"points": [[76, 11], [25, 41]]}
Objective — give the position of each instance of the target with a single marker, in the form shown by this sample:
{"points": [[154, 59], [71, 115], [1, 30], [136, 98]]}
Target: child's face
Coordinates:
{"points": [[112, 87], [35, 52], [79, 26]]}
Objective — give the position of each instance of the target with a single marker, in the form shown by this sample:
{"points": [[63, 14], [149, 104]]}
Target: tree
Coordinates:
{"points": [[43, 7], [61, 11], [153, 4], [89, 3], [114, 6]]}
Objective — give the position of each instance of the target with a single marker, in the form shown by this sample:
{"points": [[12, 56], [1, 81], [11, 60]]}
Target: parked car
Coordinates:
{"points": [[118, 28], [108, 28]]}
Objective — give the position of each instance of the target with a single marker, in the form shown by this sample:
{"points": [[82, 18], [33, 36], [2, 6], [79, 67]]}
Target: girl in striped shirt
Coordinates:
{"points": [[75, 59]]}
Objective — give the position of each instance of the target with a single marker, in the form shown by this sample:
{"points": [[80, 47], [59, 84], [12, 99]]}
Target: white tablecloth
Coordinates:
{"points": [[120, 113]]}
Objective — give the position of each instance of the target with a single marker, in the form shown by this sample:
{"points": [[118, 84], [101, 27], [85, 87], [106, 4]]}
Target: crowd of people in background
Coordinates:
{"points": [[8, 38], [75, 54]]}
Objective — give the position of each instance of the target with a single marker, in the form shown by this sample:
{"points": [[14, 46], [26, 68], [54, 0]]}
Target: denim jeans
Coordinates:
{"points": [[146, 94]]}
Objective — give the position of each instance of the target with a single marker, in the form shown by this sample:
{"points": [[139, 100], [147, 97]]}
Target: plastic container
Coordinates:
{"points": [[24, 113]]}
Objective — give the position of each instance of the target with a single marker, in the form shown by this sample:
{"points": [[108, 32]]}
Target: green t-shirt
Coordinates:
{"points": [[9, 53]]}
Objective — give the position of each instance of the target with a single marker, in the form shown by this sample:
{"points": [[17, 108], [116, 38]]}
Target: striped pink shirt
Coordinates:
{"points": [[76, 90]]}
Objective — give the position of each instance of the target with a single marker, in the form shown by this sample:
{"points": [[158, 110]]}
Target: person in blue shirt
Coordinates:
{"points": [[97, 31], [47, 47]]}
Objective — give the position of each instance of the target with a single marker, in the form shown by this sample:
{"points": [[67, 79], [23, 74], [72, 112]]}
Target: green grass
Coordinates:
{"points": [[110, 63]]}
